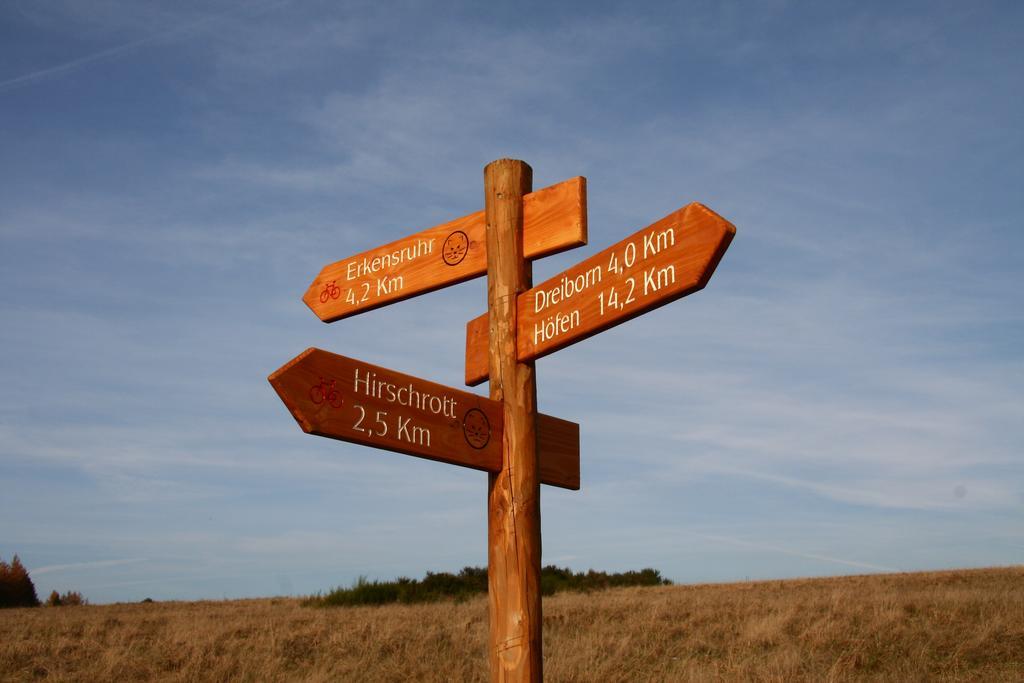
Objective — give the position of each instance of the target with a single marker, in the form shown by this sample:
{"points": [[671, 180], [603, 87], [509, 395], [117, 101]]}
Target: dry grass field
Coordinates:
{"points": [[943, 626]]}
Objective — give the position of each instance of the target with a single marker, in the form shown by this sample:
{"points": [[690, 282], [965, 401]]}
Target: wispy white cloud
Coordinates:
{"points": [[796, 553], [445, 112], [178, 32], [75, 566]]}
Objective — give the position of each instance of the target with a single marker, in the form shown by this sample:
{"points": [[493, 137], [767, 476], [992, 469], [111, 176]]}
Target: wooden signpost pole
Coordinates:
{"points": [[513, 526], [350, 400]]}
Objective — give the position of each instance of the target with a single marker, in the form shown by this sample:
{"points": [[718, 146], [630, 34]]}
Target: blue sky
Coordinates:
{"points": [[846, 395]]}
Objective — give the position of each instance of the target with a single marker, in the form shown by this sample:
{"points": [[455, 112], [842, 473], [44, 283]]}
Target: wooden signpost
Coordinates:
{"points": [[504, 435]]}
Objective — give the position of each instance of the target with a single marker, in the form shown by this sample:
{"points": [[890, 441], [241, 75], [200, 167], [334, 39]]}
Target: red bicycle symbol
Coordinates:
{"points": [[331, 291], [325, 392]]}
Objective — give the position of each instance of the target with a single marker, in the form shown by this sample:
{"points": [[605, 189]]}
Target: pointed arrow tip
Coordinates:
{"points": [[273, 377], [276, 380], [729, 227]]}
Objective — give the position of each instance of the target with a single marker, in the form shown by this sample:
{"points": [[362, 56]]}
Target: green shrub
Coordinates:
{"points": [[472, 581]]}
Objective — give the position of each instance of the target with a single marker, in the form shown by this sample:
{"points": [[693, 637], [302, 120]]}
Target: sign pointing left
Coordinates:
{"points": [[343, 398], [347, 399], [554, 219]]}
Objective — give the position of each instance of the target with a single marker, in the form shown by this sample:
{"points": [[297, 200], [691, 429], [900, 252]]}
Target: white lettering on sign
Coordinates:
{"points": [[655, 242], [554, 325], [368, 384], [627, 281], [389, 284], [379, 426], [655, 278], [566, 288], [368, 266], [404, 428], [413, 434]]}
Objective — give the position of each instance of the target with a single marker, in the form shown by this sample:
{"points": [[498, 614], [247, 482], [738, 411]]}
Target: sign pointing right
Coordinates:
{"points": [[667, 260]]}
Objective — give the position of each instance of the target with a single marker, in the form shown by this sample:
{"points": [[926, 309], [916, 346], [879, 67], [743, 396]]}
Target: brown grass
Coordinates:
{"points": [[943, 626]]}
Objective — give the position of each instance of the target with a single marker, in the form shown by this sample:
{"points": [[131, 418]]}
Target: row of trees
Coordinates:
{"points": [[65, 599], [17, 589]]}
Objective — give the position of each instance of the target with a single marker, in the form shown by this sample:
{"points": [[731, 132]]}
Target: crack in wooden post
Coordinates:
{"points": [[514, 545]]}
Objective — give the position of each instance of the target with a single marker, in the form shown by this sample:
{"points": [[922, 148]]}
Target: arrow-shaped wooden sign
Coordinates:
{"points": [[554, 219], [343, 398], [667, 260]]}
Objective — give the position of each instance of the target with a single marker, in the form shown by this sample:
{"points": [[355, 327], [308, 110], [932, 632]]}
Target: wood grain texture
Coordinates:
{"points": [[514, 548], [558, 452], [347, 399], [555, 219], [665, 261], [319, 389]]}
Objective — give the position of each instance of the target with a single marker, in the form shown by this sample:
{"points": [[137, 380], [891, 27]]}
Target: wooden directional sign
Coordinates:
{"points": [[665, 261], [554, 219], [558, 452], [343, 398]]}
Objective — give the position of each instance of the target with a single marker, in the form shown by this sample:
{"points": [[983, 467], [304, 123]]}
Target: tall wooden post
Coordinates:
{"points": [[513, 520]]}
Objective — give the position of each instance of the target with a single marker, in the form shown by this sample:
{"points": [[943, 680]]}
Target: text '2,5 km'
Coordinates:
{"points": [[347, 399]]}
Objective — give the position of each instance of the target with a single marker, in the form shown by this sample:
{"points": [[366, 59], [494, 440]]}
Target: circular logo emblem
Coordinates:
{"points": [[455, 248], [477, 428]]}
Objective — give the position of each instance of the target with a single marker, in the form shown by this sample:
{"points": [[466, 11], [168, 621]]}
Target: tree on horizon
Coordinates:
{"points": [[16, 587]]}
